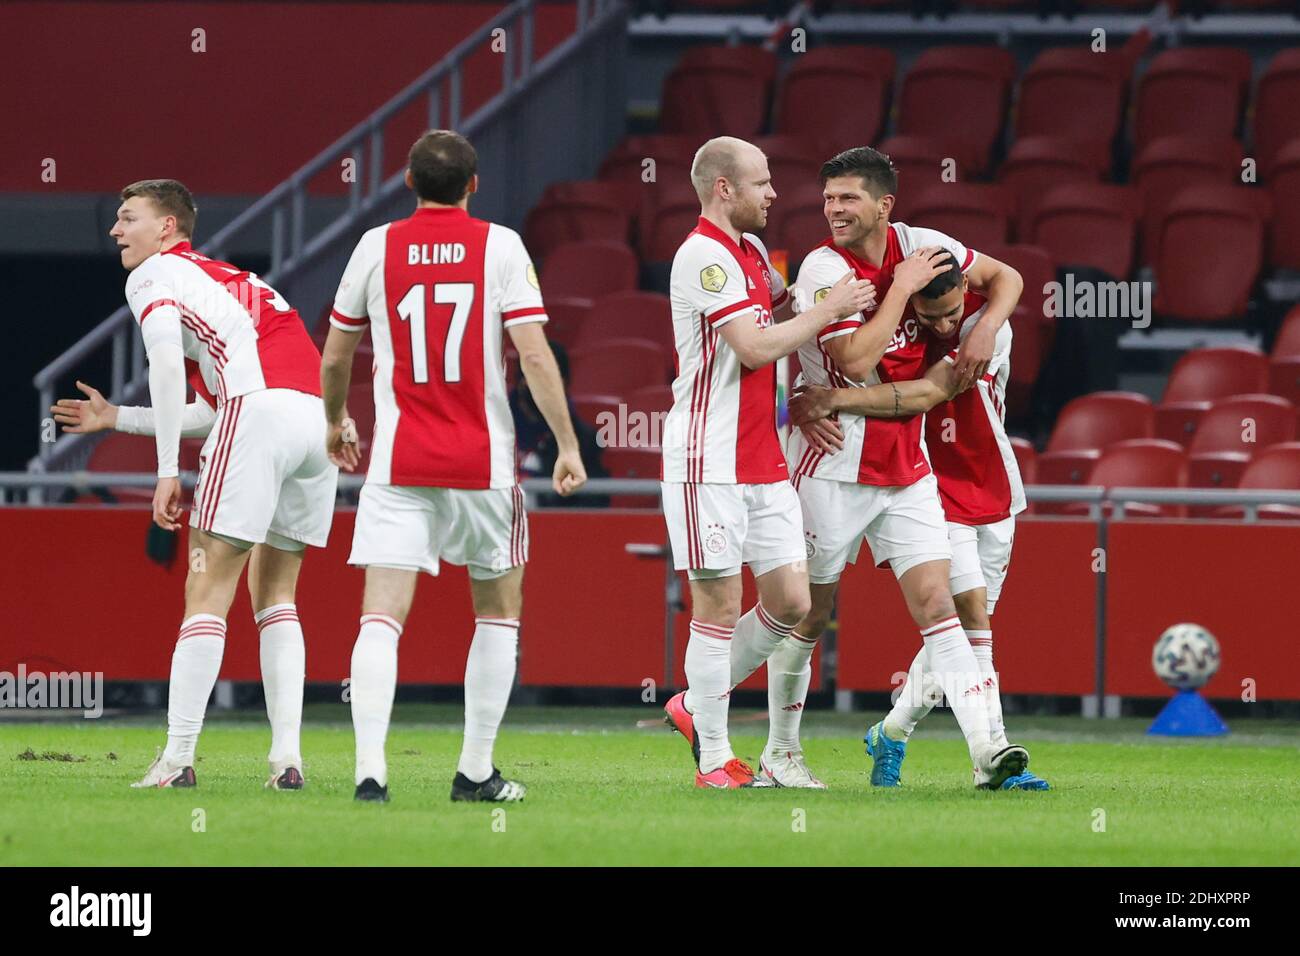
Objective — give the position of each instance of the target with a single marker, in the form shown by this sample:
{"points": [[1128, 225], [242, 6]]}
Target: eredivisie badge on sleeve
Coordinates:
{"points": [[712, 278]]}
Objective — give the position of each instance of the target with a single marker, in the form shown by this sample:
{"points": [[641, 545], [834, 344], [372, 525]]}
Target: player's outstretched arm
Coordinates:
{"points": [[96, 413], [889, 400], [335, 379], [856, 355], [759, 347], [1002, 286], [537, 362]]}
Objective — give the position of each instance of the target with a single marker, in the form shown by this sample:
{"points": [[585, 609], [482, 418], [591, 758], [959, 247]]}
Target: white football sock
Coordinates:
{"points": [[918, 697], [953, 666], [284, 669], [196, 662], [789, 672], [981, 643], [489, 676], [708, 673], [757, 635], [374, 682]]}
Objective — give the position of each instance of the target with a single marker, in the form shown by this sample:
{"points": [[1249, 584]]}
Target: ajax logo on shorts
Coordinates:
{"points": [[715, 542]]}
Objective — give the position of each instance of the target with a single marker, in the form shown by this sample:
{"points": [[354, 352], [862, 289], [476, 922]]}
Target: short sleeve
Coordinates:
{"points": [[709, 278], [521, 293], [817, 274], [150, 291], [921, 237], [351, 311]]}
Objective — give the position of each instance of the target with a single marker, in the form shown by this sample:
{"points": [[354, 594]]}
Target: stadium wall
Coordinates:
{"points": [[594, 614]]}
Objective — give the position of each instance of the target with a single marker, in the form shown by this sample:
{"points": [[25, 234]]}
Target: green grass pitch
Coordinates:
{"points": [[604, 792]]}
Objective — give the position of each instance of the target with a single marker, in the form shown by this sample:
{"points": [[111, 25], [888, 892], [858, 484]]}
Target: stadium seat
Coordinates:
{"points": [[922, 162], [1284, 361], [960, 92], [1172, 163], [1037, 269], [1287, 343], [630, 315], [566, 317], [1272, 469], [1193, 286], [975, 214], [705, 101], [1074, 93], [810, 99], [1026, 460], [1088, 224], [1141, 463], [1028, 352], [1200, 377], [1232, 432], [1036, 164], [588, 407], [1276, 119], [643, 463], [361, 409], [669, 211], [550, 224], [626, 165], [617, 366], [1284, 187], [745, 58], [651, 399], [589, 269], [793, 162], [1085, 427], [1212, 78], [796, 223], [584, 190]]}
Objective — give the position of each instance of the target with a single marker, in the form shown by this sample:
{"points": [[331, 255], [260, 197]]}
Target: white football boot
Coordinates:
{"points": [[786, 769], [162, 773]]}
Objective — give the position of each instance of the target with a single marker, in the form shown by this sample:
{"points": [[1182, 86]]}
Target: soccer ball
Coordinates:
{"points": [[1186, 656]]}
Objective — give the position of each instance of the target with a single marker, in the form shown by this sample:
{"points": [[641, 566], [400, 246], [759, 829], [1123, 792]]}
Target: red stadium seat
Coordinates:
{"points": [[793, 162], [1232, 432], [809, 102], [643, 463], [1288, 336], [1075, 93], [669, 211], [1169, 165], [1277, 121], [551, 224], [1212, 78], [1273, 469], [361, 409], [1284, 186], [960, 92], [585, 190], [617, 366], [707, 101], [118, 451], [651, 399], [1141, 463], [1037, 269], [1029, 349], [1193, 286], [588, 407], [975, 214], [1284, 361], [922, 162], [627, 168], [1039, 163], [1085, 427], [566, 318], [630, 315], [1089, 224], [1026, 460], [1200, 377], [742, 57], [796, 223], [589, 269]]}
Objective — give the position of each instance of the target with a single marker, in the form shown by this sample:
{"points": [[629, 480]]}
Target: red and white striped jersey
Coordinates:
{"points": [[877, 451], [722, 426], [239, 332], [972, 458], [437, 291]]}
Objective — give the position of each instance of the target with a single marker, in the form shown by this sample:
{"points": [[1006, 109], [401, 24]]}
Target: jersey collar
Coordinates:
{"points": [[706, 227], [445, 212]]}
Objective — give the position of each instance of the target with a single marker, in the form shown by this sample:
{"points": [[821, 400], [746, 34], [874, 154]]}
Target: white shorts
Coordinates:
{"points": [[981, 555], [715, 528], [902, 524], [412, 528], [263, 472]]}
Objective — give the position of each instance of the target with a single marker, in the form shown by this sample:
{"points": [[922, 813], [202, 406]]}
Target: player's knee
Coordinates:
{"points": [[972, 608], [936, 605], [792, 607]]}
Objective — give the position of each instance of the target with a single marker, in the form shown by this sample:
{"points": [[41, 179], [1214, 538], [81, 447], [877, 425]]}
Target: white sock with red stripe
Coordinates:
{"points": [[196, 662], [284, 669], [953, 667], [756, 636], [489, 676], [789, 672], [374, 682], [918, 696], [981, 643], [708, 674]]}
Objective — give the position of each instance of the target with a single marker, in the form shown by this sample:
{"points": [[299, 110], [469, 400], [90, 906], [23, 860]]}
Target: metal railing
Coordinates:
{"points": [[283, 211]]}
